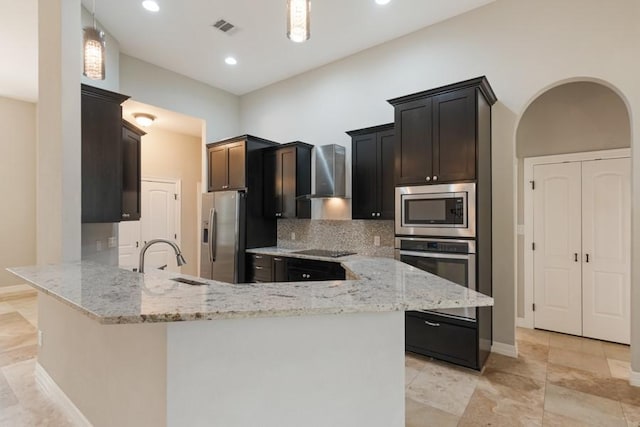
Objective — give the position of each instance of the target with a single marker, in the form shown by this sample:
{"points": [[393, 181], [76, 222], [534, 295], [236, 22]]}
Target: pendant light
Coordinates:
{"points": [[94, 50], [298, 20]]}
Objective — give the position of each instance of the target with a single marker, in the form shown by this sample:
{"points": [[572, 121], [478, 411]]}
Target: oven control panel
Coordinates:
{"points": [[433, 245]]}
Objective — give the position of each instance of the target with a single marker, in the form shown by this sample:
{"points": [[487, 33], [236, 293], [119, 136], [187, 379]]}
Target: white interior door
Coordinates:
{"points": [[159, 221], [557, 238], [606, 230], [129, 244]]}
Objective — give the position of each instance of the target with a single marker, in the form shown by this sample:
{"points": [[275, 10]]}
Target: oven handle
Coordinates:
{"points": [[437, 255]]}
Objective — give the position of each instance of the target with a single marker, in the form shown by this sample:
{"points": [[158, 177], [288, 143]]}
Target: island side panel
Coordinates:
{"points": [[316, 370], [114, 374]]}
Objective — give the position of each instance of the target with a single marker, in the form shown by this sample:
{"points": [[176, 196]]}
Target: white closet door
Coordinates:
{"points": [[557, 231], [159, 210], [606, 218], [129, 244]]}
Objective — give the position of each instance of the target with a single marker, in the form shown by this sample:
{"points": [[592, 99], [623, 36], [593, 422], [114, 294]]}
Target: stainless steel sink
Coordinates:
{"points": [[189, 281]]}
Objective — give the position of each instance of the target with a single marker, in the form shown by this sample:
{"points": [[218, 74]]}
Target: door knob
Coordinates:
{"points": [[435, 177], [373, 214], [428, 178]]}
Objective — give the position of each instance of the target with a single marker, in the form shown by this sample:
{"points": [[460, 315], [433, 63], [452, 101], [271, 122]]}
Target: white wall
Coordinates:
{"points": [[159, 87], [171, 155], [522, 47], [17, 186]]}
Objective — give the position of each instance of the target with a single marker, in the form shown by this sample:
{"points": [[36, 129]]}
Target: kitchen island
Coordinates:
{"points": [[146, 350]]}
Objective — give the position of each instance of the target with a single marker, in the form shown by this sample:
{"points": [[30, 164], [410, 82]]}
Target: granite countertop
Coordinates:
{"points": [[114, 296]]}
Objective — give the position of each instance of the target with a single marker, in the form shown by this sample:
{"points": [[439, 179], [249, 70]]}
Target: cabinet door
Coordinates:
{"points": [[279, 269], [236, 166], [217, 168], [272, 185], [130, 175], [365, 177], [287, 177], [454, 136], [413, 151], [386, 187], [101, 160]]}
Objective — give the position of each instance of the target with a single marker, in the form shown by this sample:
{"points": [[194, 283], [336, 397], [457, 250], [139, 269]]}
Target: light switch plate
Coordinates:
{"points": [[112, 242], [376, 240], [293, 236]]}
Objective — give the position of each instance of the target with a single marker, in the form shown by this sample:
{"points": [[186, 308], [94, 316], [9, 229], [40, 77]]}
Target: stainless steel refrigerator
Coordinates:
{"points": [[222, 236]]}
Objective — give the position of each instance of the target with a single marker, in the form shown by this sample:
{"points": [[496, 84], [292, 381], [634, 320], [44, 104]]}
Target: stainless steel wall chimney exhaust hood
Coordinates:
{"points": [[330, 172]]}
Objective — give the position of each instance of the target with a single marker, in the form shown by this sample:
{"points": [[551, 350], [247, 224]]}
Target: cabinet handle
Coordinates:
{"points": [[258, 267], [435, 177], [125, 215], [137, 244], [435, 325], [277, 259], [378, 214], [257, 256], [575, 257], [428, 178], [587, 257], [373, 214]]}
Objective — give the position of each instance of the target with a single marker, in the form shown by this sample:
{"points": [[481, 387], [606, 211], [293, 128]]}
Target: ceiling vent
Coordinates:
{"points": [[224, 26]]}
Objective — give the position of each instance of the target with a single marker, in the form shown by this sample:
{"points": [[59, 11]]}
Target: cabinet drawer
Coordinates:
{"points": [[263, 274], [261, 260], [435, 336]]}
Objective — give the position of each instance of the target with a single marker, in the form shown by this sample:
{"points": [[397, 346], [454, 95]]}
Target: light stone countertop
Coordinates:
{"points": [[115, 296]]}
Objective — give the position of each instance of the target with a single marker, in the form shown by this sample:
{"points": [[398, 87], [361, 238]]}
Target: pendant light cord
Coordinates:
{"points": [[94, 15]]}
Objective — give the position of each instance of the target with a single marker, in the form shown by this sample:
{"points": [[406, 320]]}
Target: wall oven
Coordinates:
{"points": [[454, 260], [447, 210]]}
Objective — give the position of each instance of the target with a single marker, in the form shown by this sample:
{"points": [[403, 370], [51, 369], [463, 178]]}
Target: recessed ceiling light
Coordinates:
{"points": [[230, 60], [382, 2], [150, 5]]}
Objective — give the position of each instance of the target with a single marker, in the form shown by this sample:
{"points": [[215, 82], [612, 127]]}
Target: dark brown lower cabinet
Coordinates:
{"points": [[444, 338], [267, 268]]}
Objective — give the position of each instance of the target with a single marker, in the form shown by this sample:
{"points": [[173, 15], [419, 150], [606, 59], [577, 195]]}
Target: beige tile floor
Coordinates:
{"points": [[557, 380]]}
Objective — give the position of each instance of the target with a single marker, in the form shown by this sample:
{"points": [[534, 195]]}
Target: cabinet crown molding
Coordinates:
{"points": [[480, 82]]}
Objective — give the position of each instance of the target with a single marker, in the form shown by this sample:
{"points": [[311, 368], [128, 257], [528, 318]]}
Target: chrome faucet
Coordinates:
{"points": [[179, 258]]}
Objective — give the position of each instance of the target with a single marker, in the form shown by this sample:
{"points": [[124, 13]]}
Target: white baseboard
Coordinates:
{"points": [[55, 393], [523, 322], [634, 378], [504, 349]]}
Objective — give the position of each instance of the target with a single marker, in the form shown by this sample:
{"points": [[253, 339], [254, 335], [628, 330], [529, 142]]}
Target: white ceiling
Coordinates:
{"points": [[181, 38]]}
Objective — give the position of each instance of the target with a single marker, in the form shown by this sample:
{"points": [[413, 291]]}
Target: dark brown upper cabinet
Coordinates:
{"points": [[131, 175], [234, 162], [102, 142], [287, 176], [227, 166], [436, 133], [372, 151]]}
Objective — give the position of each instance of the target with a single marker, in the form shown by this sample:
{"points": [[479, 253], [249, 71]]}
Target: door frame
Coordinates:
{"points": [[529, 162], [178, 191]]}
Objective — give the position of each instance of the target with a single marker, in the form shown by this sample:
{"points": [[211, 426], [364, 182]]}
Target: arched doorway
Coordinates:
{"points": [[569, 118]]}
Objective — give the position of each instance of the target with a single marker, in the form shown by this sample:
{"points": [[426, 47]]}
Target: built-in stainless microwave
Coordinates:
{"points": [[436, 210]]}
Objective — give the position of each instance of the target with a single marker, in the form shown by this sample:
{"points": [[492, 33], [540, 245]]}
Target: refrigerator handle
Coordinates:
{"points": [[214, 235]]}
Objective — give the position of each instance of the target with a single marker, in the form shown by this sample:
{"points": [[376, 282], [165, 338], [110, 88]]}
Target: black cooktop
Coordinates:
{"points": [[324, 253]]}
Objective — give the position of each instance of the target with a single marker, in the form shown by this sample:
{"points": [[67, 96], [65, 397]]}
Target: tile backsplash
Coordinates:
{"points": [[356, 235]]}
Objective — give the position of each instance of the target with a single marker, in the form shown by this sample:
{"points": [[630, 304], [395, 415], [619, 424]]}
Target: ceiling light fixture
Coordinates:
{"points": [[382, 2], [298, 20], [144, 119], [93, 50], [230, 60], [150, 5]]}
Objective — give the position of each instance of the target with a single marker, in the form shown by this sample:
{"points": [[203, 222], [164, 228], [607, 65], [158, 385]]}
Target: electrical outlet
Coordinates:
{"points": [[293, 236], [98, 245], [376, 240], [112, 242], [40, 334]]}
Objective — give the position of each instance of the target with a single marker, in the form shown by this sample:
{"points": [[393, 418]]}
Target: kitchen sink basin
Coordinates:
{"points": [[189, 281]]}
